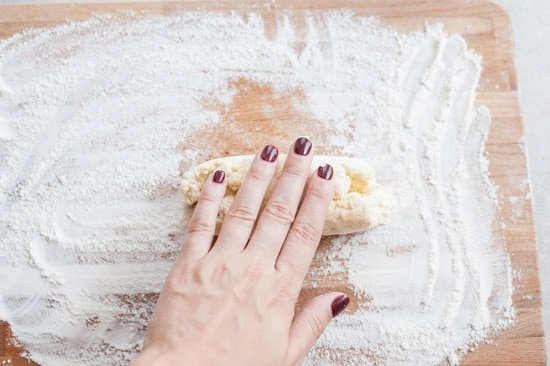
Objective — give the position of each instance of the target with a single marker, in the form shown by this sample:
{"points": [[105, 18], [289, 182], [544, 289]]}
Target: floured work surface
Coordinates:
{"points": [[100, 118]]}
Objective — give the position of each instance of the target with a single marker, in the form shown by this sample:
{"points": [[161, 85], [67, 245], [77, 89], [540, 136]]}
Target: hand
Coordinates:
{"points": [[232, 303]]}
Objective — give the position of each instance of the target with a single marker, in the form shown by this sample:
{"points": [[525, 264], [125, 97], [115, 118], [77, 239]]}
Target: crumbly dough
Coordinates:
{"points": [[358, 202]]}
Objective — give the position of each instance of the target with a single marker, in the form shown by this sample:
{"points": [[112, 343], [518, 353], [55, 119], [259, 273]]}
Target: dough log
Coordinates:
{"points": [[358, 202]]}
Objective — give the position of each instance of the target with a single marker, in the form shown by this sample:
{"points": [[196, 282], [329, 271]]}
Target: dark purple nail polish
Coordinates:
{"points": [[325, 171], [339, 304], [269, 153], [219, 176], [302, 146]]}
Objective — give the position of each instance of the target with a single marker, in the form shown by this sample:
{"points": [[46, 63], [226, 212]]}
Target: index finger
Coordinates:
{"points": [[304, 235]]}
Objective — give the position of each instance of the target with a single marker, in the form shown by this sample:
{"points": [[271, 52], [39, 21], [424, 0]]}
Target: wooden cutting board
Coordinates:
{"points": [[487, 30]]}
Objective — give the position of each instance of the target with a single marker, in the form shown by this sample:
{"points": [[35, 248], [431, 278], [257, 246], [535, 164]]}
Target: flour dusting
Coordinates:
{"points": [[99, 118]]}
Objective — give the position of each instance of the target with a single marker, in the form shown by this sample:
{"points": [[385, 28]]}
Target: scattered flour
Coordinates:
{"points": [[92, 115]]}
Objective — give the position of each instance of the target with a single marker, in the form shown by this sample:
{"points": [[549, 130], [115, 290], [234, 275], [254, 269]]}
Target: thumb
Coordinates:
{"points": [[310, 323]]}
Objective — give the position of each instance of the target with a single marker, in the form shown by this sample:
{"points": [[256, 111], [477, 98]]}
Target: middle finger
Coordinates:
{"points": [[280, 210], [241, 216]]}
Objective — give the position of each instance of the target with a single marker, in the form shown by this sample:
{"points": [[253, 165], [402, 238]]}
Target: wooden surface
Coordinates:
{"points": [[487, 30]]}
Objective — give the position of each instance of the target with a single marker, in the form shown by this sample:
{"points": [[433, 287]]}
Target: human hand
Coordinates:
{"points": [[232, 303]]}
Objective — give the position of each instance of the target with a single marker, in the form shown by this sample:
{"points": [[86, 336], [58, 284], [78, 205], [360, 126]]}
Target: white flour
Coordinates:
{"points": [[92, 119]]}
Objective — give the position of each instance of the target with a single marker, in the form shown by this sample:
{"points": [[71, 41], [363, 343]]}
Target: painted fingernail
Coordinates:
{"points": [[219, 176], [269, 153], [325, 171], [302, 146], [339, 304]]}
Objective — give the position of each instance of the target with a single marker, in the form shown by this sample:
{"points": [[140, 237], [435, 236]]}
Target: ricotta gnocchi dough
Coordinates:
{"points": [[358, 202]]}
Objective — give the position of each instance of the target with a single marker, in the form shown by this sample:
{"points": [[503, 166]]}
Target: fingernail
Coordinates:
{"points": [[325, 171], [302, 146], [219, 176], [339, 304], [269, 153]]}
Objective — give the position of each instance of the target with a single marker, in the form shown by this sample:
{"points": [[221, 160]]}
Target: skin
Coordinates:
{"points": [[233, 302]]}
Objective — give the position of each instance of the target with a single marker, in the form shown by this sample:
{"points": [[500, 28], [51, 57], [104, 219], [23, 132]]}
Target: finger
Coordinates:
{"points": [[201, 227], [304, 235], [280, 210], [241, 215], [310, 323]]}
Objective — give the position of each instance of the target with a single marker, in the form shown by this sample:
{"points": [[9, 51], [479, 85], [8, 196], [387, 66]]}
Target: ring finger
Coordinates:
{"points": [[241, 215]]}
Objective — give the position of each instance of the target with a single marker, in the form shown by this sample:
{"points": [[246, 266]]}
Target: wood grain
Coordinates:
{"points": [[487, 30]]}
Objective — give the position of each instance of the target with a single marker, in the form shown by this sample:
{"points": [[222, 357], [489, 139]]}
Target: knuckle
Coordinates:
{"points": [[282, 294], [295, 171], [225, 270], [316, 324], [319, 193], [213, 276], [200, 275], [177, 280], [282, 212], [241, 213], [282, 290], [306, 233], [259, 173], [174, 290], [200, 226], [287, 288], [285, 272], [206, 196], [254, 271]]}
